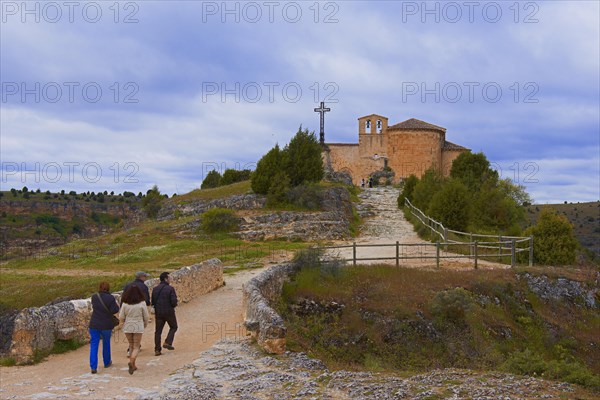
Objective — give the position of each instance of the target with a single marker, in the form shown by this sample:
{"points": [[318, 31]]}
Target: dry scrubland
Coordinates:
{"points": [[382, 318]]}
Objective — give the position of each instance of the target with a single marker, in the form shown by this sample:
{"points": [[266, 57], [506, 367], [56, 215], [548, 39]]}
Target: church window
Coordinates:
{"points": [[379, 126], [368, 126]]}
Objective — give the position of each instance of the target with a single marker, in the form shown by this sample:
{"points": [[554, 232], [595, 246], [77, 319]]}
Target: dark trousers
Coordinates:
{"points": [[160, 324]]}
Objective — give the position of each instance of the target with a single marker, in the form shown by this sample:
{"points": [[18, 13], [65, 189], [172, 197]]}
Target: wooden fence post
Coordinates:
{"points": [[354, 253], [397, 253], [513, 254], [437, 254], [500, 247], [531, 251], [475, 251], [470, 245]]}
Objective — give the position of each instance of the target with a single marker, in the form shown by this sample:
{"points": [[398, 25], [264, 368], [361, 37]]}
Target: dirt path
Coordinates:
{"points": [[202, 322], [388, 225]]}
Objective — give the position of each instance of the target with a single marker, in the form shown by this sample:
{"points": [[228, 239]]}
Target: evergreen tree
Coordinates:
{"points": [[473, 170], [554, 241], [302, 158], [450, 205], [266, 169], [151, 203], [407, 189], [212, 180], [424, 190], [278, 190]]}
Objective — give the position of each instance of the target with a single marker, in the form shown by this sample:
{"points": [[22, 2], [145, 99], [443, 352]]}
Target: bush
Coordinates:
{"points": [[407, 190], [305, 196], [451, 305], [450, 205], [277, 193], [219, 220], [233, 176], [568, 370], [429, 184], [151, 203], [212, 180], [554, 241], [266, 169], [302, 158]]}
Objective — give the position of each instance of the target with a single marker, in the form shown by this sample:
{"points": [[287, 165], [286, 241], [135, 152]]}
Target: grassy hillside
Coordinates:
{"points": [[382, 318], [585, 218], [74, 270]]}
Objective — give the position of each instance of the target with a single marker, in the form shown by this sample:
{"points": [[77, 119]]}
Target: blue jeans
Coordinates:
{"points": [[95, 335]]}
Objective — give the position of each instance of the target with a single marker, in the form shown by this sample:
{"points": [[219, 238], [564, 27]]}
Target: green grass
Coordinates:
{"points": [[215, 193], [406, 319], [79, 266]]}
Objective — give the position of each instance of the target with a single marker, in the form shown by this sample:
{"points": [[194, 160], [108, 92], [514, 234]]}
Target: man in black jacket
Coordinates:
{"points": [[164, 300]]}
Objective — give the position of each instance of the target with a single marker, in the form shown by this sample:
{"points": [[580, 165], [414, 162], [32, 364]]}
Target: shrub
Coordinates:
{"points": [[450, 205], [429, 184], [212, 180], [407, 190], [554, 241], [151, 203], [451, 305], [232, 176], [305, 196], [219, 220], [266, 169], [277, 193], [302, 158]]}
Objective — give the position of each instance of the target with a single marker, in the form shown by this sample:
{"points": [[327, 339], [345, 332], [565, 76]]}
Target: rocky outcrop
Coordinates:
{"points": [[37, 329], [247, 201], [562, 289], [261, 320], [290, 225], [332, 223], [238, 370]]}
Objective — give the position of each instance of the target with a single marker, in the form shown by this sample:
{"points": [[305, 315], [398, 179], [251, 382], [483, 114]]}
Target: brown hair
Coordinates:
{"points": [[104, 287], [133, 295]]}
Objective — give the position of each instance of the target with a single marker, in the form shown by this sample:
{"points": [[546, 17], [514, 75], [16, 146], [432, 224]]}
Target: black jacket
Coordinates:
{"points": [[142, 285], [102, 319], [164, 299]]}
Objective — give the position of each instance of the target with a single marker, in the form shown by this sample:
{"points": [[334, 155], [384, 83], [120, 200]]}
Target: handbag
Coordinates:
{"points": [[115, 320]]}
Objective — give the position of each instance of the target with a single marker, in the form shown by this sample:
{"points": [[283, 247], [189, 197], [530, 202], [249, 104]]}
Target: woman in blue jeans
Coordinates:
{"points": [[104, 306]]}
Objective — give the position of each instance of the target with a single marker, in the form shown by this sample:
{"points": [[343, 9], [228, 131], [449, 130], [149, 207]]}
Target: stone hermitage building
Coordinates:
{"points": [[409, 147]]}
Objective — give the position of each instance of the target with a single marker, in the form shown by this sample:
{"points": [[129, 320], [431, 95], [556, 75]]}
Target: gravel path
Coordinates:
{"points": [[202, 322], [384, 223]]}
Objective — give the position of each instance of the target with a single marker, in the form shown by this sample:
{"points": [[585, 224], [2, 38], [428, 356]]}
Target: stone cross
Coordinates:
{"points": [[322, 110]]}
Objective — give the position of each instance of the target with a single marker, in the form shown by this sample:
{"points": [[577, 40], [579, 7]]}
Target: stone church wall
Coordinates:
{"points": [[347, 158], [448, 156], [413, 152]]}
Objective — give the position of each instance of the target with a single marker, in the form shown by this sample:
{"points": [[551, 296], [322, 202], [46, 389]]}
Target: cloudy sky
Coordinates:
{"points": [[121, 96]]}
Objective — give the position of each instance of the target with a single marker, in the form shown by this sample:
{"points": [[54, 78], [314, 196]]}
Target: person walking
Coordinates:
{"points": [[134, 315], [139, 281], [104, 306], [164, 300]]}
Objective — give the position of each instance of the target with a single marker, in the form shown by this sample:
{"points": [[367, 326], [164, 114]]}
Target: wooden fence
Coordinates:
{"points": [[475, 241], [443, 250]]}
